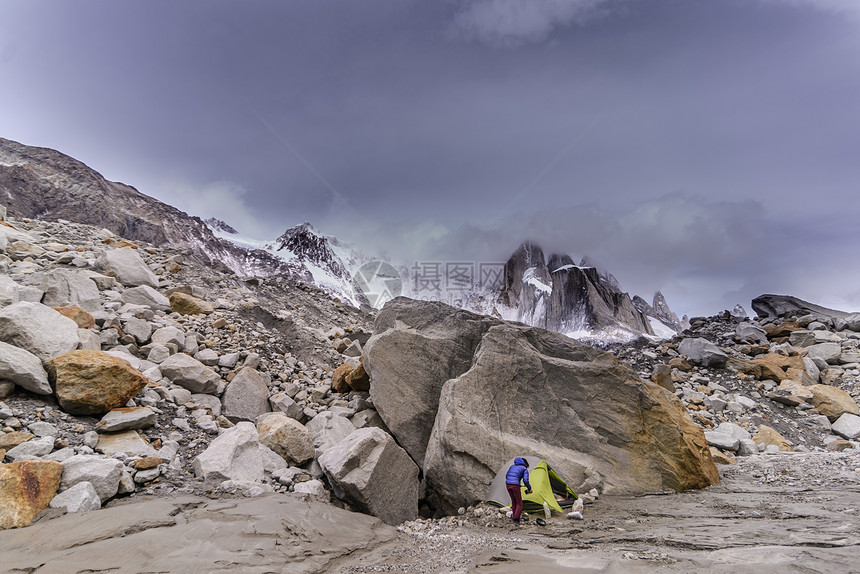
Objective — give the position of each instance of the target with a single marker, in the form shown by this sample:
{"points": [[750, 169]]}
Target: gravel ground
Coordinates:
{"points": [[795, 512]]}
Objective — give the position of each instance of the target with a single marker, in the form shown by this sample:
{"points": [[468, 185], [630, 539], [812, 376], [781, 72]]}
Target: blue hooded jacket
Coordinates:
{"points": [[518, 472]]}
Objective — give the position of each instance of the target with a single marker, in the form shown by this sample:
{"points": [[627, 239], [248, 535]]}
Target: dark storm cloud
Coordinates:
{"points": [[690, 146]]}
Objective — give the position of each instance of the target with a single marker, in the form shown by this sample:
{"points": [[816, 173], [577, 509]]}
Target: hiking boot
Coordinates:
{"points": [[517, 521]]}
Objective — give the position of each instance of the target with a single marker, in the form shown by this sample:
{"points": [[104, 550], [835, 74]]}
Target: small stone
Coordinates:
{"points": [[126, 419], [144, 476]]}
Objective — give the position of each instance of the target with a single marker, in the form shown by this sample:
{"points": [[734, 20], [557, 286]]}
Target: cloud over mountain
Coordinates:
{"points": [[512, 22]]}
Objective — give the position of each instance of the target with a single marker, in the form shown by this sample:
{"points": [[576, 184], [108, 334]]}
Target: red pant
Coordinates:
{"points": [[516, 499]]}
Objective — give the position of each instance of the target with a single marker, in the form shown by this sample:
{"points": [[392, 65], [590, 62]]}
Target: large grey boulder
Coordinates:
{"points": [[127, 266], [146, 296], [528, 391], [38, 329], [189, 373], [531, 391], [368, 470], [234, 455], [103, 473], [328, 429], [64, 287], [702, 352], [287, 437], [24, 369], [246, 396], [405, 387], [852, 322], [783, 305]]}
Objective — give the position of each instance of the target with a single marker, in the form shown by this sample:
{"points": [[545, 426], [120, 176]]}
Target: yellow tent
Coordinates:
{"points": [[547, 486]]}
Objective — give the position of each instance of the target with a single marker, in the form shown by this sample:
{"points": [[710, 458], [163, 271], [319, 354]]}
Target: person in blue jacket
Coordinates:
{"points": [[518, 472]]}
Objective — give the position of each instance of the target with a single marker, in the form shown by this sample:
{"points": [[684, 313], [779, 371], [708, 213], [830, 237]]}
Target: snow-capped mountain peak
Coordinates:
{"points": [[307, 244], [220, 226]]}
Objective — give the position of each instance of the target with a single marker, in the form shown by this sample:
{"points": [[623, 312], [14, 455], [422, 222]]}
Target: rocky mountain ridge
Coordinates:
{"points": [[581, 301], [42, 183]]}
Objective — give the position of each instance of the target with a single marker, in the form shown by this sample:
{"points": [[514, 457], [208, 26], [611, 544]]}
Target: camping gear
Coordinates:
{"points": [[546, 485]]}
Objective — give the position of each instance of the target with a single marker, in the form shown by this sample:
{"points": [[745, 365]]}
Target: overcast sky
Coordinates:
{"points": [[709, 149]]}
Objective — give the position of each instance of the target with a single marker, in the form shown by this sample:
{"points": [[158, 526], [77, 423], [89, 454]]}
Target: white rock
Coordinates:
{"points": [[235, 455], [168, 451], [733, 430], [747, 447], [282, 402], [229, 360], [190, 373], [89, 341], [64, 288], [246, 488], [721, 440], [702, 352], [24, 369], [32, 448], [828, 352], [103, 282], [746, 402], [169, 336], [369, 469], [126, 418], [42, 429], [158, 354], [847, 426], [38, 329], [246, 397], [272, 461], [9, 290], [148, 475], [82, 497], [207, 356], [314, 488], [146, 296], [103, 473], [328, 429], [122, 353], [127, 266], [213, 403], [139, 329]]}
